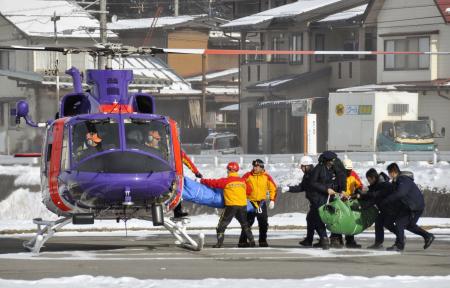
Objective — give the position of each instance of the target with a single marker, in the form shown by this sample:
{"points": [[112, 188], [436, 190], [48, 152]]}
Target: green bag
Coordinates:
{"points": [[340, 218]]}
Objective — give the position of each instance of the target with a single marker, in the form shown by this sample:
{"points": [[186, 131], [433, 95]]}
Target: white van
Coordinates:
{"points": [[221, 143]]}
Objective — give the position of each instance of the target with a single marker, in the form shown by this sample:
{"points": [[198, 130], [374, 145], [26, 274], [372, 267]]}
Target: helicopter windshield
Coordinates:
{"points": [[150, 136], [93, 136]]}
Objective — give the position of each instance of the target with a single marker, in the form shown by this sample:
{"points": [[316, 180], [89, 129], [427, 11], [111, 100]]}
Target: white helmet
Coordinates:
{"points": [[306, 161], [348, 164]]}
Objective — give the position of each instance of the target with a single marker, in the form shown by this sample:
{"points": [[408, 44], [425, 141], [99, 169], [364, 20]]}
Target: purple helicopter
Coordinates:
{"points": [[108, 156]]}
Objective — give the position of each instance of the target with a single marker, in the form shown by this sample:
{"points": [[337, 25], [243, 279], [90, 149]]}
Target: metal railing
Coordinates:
{"points": [[244, 159], [375, 157]]}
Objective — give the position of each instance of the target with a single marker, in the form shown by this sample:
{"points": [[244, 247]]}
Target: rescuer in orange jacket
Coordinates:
{"points": [[260, 184], [354, 183], [235, 196], [178, 211]]}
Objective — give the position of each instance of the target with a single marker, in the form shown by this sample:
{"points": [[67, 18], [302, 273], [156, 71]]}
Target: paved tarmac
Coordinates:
{"points": [[157, 257]]}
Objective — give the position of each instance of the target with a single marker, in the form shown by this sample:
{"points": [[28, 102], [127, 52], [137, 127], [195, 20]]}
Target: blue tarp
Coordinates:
{"points": [[203, 195]]}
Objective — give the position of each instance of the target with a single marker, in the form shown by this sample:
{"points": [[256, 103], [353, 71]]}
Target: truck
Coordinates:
{"points": [[377, 121]]}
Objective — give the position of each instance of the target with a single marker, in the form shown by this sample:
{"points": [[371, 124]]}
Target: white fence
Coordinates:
{"points": [[244, 159], [376, 157]]}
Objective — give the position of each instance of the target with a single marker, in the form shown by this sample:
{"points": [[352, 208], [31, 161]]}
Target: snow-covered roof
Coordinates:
{"points": [[223, 90], [347, 14], [372, 87], [289, 10], [214, 75], [232, 107], [33, 17], [144, 23], [152, 67]]}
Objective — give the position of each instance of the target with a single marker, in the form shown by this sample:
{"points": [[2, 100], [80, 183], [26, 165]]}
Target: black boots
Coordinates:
{"points": [[428, 241], [220, 239], [375, 246], [306, 243], [323, 243]]}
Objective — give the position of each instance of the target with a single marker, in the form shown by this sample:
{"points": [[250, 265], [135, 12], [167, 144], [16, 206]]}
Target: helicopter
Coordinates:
{"points": [[107, 155], [97, 160]]}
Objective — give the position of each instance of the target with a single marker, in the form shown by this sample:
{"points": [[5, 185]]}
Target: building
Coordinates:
{"points": [[273, 86], [34, 75], [415, 25]]}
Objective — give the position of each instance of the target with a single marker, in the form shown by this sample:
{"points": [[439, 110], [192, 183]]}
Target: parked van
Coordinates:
{"points": [[221, 143]]}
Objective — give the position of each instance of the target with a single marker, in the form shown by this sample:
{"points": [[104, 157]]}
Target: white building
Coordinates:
{"points": [[416, 25]]}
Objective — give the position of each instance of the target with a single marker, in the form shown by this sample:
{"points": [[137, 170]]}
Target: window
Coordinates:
{"points": [[94, 136], [249, 76], [149, 136], [276, 45], [65, 150], [296, 44], [4, 60], [350, 69], [340, 70], [12, 114], [388, 129], [407, 62], [319, 46]]}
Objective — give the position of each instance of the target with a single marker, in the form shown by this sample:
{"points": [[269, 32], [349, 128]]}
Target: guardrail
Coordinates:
{"points": [[244, 159], [375, 157]]}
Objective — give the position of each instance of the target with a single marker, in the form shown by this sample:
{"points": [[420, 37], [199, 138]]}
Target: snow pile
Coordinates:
{"points": [[332, 280], [23, 205]]}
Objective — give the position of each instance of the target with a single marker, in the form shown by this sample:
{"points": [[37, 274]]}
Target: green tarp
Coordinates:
{"points": [[339, 217]]}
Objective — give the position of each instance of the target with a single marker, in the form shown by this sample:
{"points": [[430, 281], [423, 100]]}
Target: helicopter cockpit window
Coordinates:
{"points": [[94, 136], [150, 136]]}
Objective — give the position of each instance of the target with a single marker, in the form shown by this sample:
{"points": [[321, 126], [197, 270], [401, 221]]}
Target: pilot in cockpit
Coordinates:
{"points": [[91, 145], [153, 139]]}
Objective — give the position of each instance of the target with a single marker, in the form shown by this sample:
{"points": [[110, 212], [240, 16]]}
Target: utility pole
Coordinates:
{"points": [[176, 7], [103, 33], [55, 32], [204, 91]]}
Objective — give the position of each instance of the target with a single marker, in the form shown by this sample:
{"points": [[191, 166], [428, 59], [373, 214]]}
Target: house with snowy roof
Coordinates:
{"points": [[33, 75], [274, 86], [415, 26]]}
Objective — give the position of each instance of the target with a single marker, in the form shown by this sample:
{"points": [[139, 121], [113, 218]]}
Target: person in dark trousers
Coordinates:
{"points": [[322, 185], [260, 185], [178, 212], [409, 202], [306, 165], [379, 189], [235, 198]]}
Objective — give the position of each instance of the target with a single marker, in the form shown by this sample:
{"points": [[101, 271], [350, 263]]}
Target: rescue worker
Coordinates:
{"points": [[353, 184], [91, 145], [379, 189], [178, 211], [260, 183], [153, 139], [409, 202], [323, 184], [235, 196], [306, 165]]}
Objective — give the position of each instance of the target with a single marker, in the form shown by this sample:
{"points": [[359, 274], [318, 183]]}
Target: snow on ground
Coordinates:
{"points": [[332, 280]]}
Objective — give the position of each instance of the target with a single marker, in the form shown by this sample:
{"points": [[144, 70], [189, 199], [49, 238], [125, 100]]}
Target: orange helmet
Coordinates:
{"points": [[233, 166]]}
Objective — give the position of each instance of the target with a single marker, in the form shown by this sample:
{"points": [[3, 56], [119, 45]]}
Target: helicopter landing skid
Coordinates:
{"points": [[178, 230], [43, 234]]}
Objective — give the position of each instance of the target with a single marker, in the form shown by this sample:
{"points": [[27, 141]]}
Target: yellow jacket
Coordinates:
{"points": [[234, 189], [259, 185], [353, 183]]}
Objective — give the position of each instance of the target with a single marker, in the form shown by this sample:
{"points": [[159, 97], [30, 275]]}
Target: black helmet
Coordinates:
{"points": [[258, 162], [328, 155]]}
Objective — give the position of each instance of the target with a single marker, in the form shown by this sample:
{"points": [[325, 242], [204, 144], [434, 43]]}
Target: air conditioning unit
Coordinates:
{"points": [[398, 109]]}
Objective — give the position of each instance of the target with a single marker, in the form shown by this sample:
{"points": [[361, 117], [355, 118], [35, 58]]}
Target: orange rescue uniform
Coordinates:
{"points": [[353, 183], [234, 188], [260, 184]]}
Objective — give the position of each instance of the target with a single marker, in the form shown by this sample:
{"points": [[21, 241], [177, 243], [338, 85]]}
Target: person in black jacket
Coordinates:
{"points": [[306, 165], [323, 183], [409, 201], [379, 189]]}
